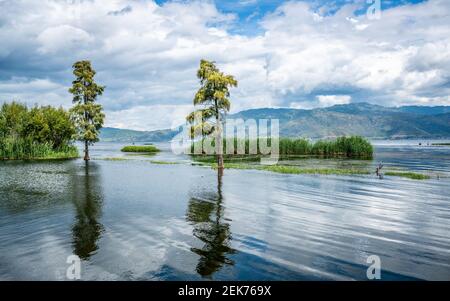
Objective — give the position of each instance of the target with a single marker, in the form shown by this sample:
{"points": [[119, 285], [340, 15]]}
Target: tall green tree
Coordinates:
{"points": [[86, 113], [213, 98]]}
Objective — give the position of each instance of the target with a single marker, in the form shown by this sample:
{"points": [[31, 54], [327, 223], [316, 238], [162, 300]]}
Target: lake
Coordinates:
{"points": [[134, 220]]}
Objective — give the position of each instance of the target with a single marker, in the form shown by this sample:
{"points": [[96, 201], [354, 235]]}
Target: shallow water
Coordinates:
{"points": [[133, 220]]}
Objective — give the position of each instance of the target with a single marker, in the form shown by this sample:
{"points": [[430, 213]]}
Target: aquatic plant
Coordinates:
{"points": [[164, 162], [140, 149], [409, 175], [287, 169], [354, 147]]}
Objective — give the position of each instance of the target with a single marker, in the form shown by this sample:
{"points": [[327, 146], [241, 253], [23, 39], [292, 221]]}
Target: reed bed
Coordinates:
{"points": [[27, 149], [354, 147]]}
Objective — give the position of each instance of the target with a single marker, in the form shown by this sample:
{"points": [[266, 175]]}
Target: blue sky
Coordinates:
{"points": [[297, 54], [250, 12], [258, 8]]}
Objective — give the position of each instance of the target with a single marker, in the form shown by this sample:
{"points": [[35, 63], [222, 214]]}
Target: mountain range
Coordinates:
{"points": [[364, 119]]}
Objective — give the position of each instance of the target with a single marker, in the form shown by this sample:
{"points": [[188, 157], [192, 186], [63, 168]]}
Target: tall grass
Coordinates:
{"points": [[355, 147], [27, 149]]}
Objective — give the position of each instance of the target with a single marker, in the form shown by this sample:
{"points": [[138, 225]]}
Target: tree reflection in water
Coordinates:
{"points": [[207, 218], [88, 200]]}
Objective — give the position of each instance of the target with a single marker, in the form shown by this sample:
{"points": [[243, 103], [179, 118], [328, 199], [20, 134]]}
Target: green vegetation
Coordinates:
{"points": [[319, 171], [288, 169], [441, 144], [409, 175], [164, 162], [113, 159], [37, 133], [140, 149], [27, 149], [285, 169], [87, 115], [213, 97], [354, 147]]}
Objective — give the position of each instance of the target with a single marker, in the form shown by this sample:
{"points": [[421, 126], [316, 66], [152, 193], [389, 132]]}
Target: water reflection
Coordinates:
{"points": [[206, 213], [88, 200]]}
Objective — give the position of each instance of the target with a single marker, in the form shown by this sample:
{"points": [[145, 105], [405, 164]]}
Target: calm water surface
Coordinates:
{"points": [[134, 220]]}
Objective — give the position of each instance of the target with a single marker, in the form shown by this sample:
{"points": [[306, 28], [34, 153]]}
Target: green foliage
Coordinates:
{"points": [[87, 115], [13, 120], [140, 149], [213, 97], [37, 133], [50, 125]]}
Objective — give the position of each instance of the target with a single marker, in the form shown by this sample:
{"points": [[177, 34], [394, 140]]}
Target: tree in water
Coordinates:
{"points": [[213, 96], [88, 201], [206, 215], [87, 115]]}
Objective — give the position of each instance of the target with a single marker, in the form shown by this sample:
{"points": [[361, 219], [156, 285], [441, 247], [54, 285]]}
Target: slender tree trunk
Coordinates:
{"points": [[219, 143], [86, 146], [86, 151]]}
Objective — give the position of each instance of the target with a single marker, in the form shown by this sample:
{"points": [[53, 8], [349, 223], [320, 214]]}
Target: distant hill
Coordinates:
{"points": [[358, 119], [363, 119], [121, 135], [425, 110]]}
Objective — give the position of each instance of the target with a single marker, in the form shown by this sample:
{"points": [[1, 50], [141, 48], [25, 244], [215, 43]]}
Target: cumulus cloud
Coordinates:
{"points": [[147, 54], [149, 117], [331, 100]]}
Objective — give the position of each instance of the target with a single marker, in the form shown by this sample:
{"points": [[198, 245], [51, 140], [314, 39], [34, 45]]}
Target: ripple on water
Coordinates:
{"points": [[131, 220]]}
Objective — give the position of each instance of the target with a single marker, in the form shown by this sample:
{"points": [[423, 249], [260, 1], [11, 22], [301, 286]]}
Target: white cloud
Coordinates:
{"points": [[149, 117], [36, 91], [62, 38], [331, 100], [147, 55], [384, 57]]}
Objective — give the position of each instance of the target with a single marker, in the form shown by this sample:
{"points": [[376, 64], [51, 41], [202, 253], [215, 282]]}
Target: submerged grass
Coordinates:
{"points": [[113, 159], [409, 175], [140, 149], [164, 162], [285, 169], [318, 171]]}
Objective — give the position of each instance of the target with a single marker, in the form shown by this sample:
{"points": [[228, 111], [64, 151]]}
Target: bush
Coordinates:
{"points": [[42, 132]]}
